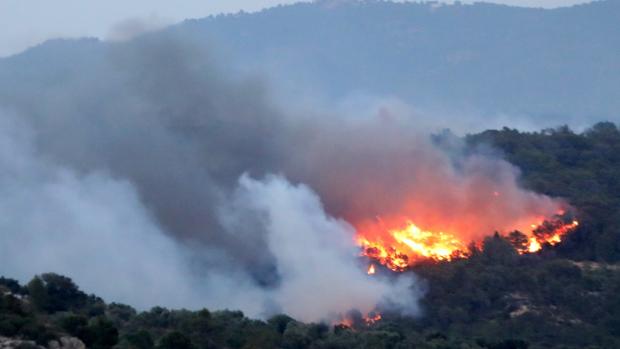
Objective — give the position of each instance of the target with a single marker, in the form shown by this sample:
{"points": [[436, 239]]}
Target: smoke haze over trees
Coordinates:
{"points": [[226, 163], [508, 65]]}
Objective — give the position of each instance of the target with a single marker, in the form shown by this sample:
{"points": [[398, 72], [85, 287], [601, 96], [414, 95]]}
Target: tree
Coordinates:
{"points": [[518, 240], [62, 292], [498, 250], [52, 293], [140, 340], [75, 325], [11, 285], [105, 333], [38, 293], [279, 322], [175, 340]]}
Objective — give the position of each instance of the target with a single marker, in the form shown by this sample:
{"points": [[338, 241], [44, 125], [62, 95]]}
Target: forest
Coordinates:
{"points": [[565, 296]]}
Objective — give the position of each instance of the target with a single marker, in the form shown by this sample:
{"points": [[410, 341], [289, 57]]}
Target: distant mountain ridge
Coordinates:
{"points": [[490, 57], [562, 63]]}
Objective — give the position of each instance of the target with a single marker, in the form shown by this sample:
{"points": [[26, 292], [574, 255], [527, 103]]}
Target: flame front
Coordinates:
{"points": [[547, 232], [427, 244], [401, 247], [371, 319], [353, 321]]}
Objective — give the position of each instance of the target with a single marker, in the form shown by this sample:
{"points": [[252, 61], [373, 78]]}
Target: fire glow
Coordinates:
{"points": [[356, 320], [398, 247]]}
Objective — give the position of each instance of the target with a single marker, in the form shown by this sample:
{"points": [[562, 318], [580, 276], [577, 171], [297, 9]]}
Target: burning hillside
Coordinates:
{"points": [[244, 204], [398, 244]]}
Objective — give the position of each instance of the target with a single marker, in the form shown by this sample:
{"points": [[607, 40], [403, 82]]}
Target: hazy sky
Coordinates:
{"points": [[24, 23]]}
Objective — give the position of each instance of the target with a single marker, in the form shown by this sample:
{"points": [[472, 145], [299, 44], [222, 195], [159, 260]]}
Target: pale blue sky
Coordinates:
{"points": [[24, 23]]}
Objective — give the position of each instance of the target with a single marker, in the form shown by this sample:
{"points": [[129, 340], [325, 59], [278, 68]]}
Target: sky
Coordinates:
{"points": [[25, 23]]}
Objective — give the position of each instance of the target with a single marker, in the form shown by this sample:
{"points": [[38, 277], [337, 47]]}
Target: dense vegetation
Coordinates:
{"points": [[562, 297], [582, 168], [496, 58]]}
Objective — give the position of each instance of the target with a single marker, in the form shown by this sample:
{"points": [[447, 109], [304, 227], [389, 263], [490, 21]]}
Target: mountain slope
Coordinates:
{"points": [[489, 57], [563, 64]]}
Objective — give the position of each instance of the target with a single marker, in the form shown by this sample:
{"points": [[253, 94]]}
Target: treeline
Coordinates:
{"points": [[497, 299], [541, 300], [583, 168]]}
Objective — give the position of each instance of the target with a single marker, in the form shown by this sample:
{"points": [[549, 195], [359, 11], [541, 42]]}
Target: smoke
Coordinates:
{"points": [[92, 227], [134, 27], [149, 168], [391, 171], [313, 252], [95, 229]]}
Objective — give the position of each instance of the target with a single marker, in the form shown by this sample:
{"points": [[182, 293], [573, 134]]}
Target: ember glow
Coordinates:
{"points": [[355, 320], [372, 318], [400, 246], [550, 232]]}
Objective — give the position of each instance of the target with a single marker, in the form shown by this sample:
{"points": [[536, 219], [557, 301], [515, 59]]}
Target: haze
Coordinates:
{"points": [[29, 22]]}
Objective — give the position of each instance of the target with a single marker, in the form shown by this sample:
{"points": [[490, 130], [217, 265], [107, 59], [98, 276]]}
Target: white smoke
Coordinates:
{"points": [[91, 227], [314, 253]]}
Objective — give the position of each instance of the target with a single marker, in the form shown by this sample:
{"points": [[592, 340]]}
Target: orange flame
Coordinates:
{"points": [[532, 246], [371, 269], [352, 322], [371, 319], [548, 232], [401, 247]]}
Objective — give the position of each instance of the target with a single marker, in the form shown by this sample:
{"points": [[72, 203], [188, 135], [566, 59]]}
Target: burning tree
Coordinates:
{"points": [[400, 247]]}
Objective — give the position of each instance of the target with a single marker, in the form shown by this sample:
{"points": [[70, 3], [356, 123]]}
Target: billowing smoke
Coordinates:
{"points": [[150, 177], [312, 251], [391, 170], [95, 228]]}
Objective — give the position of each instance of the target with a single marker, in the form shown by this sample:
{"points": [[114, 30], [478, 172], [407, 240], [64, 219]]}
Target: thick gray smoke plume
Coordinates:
{"points": [[94, 228], [151, 178]]}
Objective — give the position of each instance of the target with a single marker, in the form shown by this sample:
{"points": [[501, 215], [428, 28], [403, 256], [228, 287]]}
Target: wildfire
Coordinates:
{"points": [[403, 246], [355, 320], [548, 232], [371, 319], [532, 246]]}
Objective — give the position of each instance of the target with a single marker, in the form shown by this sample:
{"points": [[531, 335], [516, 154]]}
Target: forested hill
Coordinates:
{"points": [[563, 64], [581, 167], [562, 297], [490, 58]]}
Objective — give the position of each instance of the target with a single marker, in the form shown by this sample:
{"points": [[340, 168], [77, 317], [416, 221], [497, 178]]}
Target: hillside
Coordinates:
{"points": [[562, 297], [302, 177], [488, 59]]}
